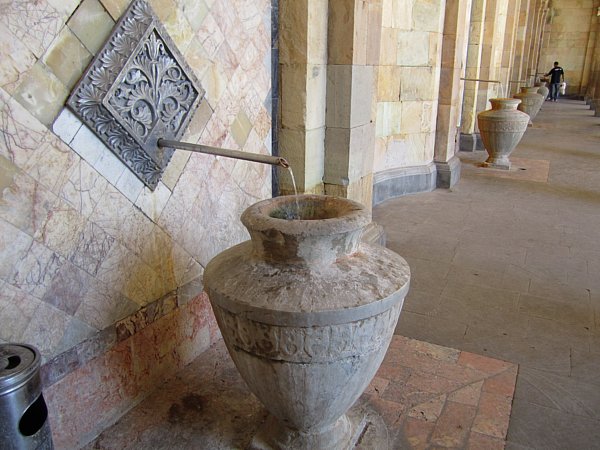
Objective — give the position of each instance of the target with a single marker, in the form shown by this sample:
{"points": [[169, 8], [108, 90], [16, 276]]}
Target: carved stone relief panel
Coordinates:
{"points": [[136, 91]]}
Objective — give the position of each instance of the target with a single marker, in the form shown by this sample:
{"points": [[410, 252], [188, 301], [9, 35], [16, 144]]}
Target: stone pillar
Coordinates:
{"points": [[518, 63], [509, 49], [468, 139], [451, 90], [353, 52], [303, 68], [491, 52]]}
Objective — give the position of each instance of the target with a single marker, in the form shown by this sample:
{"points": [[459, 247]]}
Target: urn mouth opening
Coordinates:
{"points": [[294, 214]]}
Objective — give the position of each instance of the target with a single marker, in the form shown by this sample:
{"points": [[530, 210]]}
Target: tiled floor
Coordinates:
{"points": [[428, 396], [508, 265]]}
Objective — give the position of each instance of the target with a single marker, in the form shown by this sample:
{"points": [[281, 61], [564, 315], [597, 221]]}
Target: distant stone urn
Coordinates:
{"points": [[531, 101], [501, 129], [307, 312], [542, 89]]}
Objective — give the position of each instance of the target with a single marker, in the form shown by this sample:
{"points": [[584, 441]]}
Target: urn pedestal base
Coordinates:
{"points": [[497, 163], [340, 435]]}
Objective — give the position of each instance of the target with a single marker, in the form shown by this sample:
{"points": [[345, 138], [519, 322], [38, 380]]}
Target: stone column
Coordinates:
{"points": [[303, 68], [509, 49], [491, 52], [353, 52], [468, 139], [451, 89], [518, 64]]}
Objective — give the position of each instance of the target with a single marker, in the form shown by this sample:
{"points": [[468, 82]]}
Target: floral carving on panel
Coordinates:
{"points": [[138, 90]]}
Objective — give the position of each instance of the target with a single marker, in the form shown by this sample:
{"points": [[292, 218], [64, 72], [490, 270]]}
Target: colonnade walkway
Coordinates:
{"points": [[507, 265]]}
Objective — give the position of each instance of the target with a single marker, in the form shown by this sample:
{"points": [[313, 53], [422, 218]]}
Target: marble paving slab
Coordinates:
{"points": [[522, 169], [427, 396]]}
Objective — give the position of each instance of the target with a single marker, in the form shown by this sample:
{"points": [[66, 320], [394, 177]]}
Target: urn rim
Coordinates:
{"points": [[319, 215]]}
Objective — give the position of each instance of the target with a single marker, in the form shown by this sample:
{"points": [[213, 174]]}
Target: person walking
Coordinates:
{"points": [[557, 75]]}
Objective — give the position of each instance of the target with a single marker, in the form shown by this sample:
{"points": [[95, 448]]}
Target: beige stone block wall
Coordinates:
{"points": [[567, 39], [84, 243], [407, 82]]}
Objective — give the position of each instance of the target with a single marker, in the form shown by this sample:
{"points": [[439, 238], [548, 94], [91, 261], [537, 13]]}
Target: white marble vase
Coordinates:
{"points": [[501, 128], [307, 312], [531, 101]]}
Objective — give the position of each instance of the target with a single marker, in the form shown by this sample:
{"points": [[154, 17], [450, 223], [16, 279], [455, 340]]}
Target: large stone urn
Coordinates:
{"points": [[501, 129], [542, 89], [307, 312], [531, 101]]}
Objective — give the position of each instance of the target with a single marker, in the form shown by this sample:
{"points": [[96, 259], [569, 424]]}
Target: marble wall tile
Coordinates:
{"points": [[15, 244], [152, 203], [129, 226], [76, 331], [83, 187], [68, 288], [41, 93], [59, 232], [25, 203], [179, 29], [46, 329], [51, 164], [35, 24], [210, 35], [102, 306], [67, 58], [115, 7], [34, 272], [91, 24], [23, 133], [93, 246], [17, 309], [17, 59], [66, 125], [130, 185], [195, 11]]}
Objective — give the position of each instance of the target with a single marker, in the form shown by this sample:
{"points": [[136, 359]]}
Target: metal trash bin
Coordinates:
{"points": [[23, 412]]}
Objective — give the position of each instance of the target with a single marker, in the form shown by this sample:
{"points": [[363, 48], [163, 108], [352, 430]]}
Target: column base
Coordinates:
{"points": [[395, 183], [470, 142], [448, 172]]}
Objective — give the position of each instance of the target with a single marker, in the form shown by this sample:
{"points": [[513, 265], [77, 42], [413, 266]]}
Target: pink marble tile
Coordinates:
{"points": [[452, 428]]}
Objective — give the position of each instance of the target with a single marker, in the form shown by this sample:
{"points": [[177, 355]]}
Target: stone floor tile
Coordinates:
{"points": [[483, 363], [452, 428], [515, 281], [492, 415], [563, 393], [478, 297], [503, 383], [531, 352], [545, 428], [558, 291], [566, 311], [432, 329], [575, 335], [468, 395], [585, 365], [479, 441], [421, 302]]}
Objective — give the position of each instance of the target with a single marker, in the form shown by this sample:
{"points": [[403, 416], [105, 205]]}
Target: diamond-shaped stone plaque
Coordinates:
{"points": [[137, 90]]}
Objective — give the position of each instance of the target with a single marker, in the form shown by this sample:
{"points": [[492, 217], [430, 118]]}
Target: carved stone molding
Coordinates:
{"points": [[137, 90], [309, 344]]}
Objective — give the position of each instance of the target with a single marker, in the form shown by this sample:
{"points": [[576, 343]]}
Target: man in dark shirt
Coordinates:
{"points": [[557, 75]]}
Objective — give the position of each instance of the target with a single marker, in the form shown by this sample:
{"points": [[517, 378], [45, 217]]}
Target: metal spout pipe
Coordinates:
{"points": [[236, 154]]}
